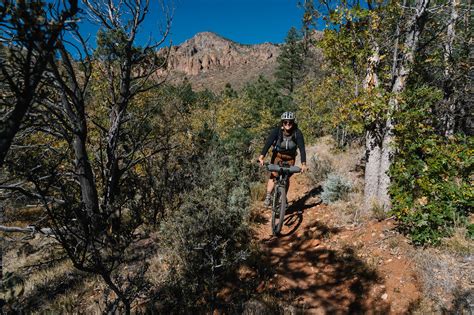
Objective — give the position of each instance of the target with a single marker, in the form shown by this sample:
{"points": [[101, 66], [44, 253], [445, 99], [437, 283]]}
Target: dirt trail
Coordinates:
{"points": [[321, 268]]}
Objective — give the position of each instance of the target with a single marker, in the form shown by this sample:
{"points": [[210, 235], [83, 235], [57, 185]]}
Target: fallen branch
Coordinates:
{"points": [[29, 229]]}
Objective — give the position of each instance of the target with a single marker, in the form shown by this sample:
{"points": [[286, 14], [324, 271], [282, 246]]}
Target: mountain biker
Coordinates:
{"points": [[285, 139]]}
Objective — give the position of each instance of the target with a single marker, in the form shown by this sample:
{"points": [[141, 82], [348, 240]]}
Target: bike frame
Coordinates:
{"points": [[279, 204]]}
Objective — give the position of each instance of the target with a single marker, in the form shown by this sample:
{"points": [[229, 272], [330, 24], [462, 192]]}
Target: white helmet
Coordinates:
{"points": [[288, 116]]}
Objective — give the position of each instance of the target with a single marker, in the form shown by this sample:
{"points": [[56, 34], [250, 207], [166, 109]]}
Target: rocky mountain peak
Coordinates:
{"points": [[207, 51], [209, 61], [206, 40]]}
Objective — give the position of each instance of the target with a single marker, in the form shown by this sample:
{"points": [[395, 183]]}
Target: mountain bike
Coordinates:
{"points": [[279, 201]]}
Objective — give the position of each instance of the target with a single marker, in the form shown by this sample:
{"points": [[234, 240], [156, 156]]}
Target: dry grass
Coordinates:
{"points": [[348, 210], [37, 266], [445, 278], [88, 298], [346, 164], [30, 253], [319, 168], [459, 243], [158, 270], [377, 211], [24, 216], [43, 278], [257, 192], [48, 282]]}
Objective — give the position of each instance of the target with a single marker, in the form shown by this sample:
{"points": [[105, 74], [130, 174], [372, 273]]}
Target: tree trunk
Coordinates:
{"points": [[10, 126], [401, 75], [449, 99], [373, 155], [372, 137], [85, 175], [2, 211], [74, 107], [113, 136], [120, 295]]}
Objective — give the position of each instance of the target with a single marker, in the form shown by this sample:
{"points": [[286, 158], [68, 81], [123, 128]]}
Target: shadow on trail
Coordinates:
{"points": [[257, 215], [304, 203], [295, 211], [304, 270], [292, 218], [291, 223]]}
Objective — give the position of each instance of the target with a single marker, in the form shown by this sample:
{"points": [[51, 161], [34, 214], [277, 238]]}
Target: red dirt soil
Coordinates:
{"points": [[321, 268]]}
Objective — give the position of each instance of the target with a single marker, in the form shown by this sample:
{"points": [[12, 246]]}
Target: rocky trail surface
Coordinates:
{"points": [[319, 267]]}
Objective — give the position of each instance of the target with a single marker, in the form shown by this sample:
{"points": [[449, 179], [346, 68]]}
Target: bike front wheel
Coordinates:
{"points": [[278, 209]]}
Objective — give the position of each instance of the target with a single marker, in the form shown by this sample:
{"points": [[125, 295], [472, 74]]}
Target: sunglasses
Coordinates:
{"points": [[287, 122]]}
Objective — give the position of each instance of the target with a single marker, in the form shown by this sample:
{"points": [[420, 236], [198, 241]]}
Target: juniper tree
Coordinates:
{"points": [[86, 164], [29, 31]]}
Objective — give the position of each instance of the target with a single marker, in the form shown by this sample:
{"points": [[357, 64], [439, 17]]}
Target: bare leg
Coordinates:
{"points": [[270, 185]]}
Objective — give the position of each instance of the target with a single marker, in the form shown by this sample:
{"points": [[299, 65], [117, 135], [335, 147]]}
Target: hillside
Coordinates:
{"points": [[210, 61]]}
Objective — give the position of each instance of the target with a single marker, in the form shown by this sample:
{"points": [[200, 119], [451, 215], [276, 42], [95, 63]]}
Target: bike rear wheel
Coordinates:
{"points": [[278, 209]]}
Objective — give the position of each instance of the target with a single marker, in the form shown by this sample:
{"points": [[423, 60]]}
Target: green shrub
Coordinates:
{"points": [[431, 189], [470, 231], [335, 187], [431, 177], [207, 237]]}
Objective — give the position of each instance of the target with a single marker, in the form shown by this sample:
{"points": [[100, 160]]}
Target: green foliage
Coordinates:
{"points": [[290, 61], [431, 175], [316, 109], [266, 96], [208, 235], [340, 104], [241, 121], [330, 108], [470, 231], [229, 91], [335, 188], [111, 44]]}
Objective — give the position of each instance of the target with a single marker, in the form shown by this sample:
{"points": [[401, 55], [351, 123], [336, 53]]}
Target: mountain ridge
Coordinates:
{"points": [[210, 61]]}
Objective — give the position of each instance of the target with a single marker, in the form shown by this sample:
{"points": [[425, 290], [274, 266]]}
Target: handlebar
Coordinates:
{"points": [[277, 168]]}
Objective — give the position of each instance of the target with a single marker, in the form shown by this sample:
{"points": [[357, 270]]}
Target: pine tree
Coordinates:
{"points": [[290, 61], [229, 91]]}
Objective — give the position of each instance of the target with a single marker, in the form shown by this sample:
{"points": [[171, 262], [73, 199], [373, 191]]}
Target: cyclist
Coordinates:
{"points": [[286, 139]]}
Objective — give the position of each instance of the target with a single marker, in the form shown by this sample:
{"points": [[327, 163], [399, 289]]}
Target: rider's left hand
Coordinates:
{"points": [[304, 168]]}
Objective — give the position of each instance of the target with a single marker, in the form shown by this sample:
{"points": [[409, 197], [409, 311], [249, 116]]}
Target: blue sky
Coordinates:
{"points": [[243, 21]]}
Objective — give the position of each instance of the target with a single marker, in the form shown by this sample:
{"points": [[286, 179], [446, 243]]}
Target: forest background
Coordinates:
{"points": [[111, 156]]}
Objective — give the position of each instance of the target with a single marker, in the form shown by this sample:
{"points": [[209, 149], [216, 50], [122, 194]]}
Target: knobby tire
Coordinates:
{"points": [[278, 209]]}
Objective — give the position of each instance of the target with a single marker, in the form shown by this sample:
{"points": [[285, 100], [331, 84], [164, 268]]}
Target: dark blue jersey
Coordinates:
{"points": [[275, 138]]}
